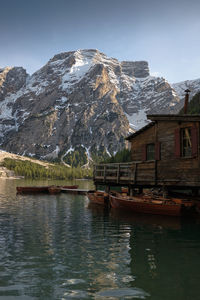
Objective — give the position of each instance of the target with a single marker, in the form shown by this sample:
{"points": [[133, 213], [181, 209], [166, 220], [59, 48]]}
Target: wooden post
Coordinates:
{"points": [[135, 173], [107, 189], [118, 173], [104, 173], [165, 191], [155, 178], [130, 190]]}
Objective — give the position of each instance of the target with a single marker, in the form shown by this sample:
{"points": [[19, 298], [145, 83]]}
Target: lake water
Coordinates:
{"points": [[59, 247]]}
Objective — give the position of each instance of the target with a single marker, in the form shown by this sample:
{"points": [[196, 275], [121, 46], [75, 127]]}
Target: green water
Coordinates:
{"points": [[59, 247]]}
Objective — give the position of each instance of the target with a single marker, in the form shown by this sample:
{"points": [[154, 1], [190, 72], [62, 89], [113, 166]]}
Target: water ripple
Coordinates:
{"points": [[58, 248]]}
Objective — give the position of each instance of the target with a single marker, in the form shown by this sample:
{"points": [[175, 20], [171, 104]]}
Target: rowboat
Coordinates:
{"points": [[147, 205], [54, 190], [41, 189], [98, 197], [70, 187], [31, 189], [187, 200]]}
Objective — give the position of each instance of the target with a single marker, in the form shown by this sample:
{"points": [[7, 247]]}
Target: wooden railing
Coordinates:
{"points": [[130, 173]]}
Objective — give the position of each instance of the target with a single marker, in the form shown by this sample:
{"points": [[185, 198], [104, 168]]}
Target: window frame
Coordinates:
{"points": [[186, 151], [150, 155]]}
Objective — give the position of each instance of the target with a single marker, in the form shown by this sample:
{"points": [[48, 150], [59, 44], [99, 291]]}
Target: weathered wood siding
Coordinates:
{"points": [[140, 141], [173, 169], [170, 169]]}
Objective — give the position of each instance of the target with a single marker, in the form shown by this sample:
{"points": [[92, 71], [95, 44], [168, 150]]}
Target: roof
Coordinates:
{"points": [[183, 118], [139, 131], [170, 117]]}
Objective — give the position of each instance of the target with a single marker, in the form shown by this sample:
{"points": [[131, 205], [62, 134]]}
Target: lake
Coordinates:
{"points": [[60, 247]]}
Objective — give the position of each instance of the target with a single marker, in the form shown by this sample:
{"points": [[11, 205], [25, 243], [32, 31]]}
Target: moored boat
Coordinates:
{"points": [[70, 187], [54, 190], [41, 189], [98, 197], [31, 189], [142, 204]]}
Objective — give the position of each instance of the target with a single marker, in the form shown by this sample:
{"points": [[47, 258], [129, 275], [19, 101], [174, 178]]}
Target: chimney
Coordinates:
{"points": [[186, 101]]}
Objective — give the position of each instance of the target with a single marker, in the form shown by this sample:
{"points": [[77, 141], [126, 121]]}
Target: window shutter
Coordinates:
{"points": [[177, 143], [194, 141], [144, 153], [157, 151]]}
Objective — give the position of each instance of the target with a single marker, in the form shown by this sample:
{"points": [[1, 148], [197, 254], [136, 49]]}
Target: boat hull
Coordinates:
{"points": [[32, 189], [96, 197], [54, 190], [41, 189], [148, 207]]}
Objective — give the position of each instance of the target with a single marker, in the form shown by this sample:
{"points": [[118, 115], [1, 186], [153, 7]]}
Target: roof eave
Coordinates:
{"points": [[139, 131]]}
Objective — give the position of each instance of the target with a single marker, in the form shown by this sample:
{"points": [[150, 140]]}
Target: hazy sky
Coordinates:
{"points": [[165, 33]]}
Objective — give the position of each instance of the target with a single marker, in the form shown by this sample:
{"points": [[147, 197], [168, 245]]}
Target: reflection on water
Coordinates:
{"points": [[59, 247]]}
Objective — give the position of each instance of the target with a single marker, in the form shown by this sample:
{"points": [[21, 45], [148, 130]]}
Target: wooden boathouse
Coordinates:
{"points": [[165, 153]]}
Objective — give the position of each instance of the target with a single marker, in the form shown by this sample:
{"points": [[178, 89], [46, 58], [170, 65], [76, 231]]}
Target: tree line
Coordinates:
{"points": [[32, 170]]}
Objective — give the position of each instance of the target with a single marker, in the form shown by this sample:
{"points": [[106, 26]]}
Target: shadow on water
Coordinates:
{"points": [[164, 253]]}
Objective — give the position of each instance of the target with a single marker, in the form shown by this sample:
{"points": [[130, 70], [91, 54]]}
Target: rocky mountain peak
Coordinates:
{"points": [[12, 79], [139, 69], [180, 87], [79, 101]]}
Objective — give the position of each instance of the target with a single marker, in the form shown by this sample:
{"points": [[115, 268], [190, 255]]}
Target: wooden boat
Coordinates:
{"points": [[142, 204], [98, 197], [192, 201], [54, 190], [31, 189], [71, 187], [40, 189]]}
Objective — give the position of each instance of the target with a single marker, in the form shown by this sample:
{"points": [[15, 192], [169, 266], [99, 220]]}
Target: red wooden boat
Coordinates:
{"points": [[41, 189], [31, 189], [98, 197], [70, 187], [54, 190], [142, 204]]}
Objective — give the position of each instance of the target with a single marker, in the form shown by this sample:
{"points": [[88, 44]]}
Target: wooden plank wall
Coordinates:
{"points": [[170, 169]]}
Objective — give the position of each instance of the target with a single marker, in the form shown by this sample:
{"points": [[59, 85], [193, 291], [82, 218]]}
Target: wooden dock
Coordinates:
{"points": [[74, 191], [133, 173]]}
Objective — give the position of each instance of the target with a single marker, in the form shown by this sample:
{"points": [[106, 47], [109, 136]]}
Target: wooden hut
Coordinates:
{"points": [[165, 153]]}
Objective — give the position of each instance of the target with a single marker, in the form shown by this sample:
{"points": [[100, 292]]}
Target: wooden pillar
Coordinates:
{"points": [[155, 179], [107, 188], [135, 173], [130, 191], [118, 173], [165, 192], [104, 174]]}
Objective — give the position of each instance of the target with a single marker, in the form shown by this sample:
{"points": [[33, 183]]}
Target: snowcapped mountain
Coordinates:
{"points": [[79, 99], [180, 87]]}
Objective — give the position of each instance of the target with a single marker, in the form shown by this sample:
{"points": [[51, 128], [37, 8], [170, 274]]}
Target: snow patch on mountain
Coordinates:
{"points": [[77, 71], [80, 98], [192, 85], [138, 120]]}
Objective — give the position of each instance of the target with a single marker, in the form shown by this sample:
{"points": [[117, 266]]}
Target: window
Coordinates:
{"points": [[186, 142], [150, 151]]}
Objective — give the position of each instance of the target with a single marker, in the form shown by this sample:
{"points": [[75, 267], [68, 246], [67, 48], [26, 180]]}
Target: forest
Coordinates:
{"points": [[33, 170]]}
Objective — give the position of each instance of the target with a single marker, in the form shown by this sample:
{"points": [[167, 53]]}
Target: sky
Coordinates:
{"points": [[164, 33]]}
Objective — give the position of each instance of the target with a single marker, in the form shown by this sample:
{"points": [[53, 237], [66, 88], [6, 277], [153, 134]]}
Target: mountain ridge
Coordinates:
{"points": [[79, 100]]}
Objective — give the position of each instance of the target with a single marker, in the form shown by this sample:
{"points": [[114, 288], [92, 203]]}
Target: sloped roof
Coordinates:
{"points": [[139, 131], [162, 117], [183, 118]]}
